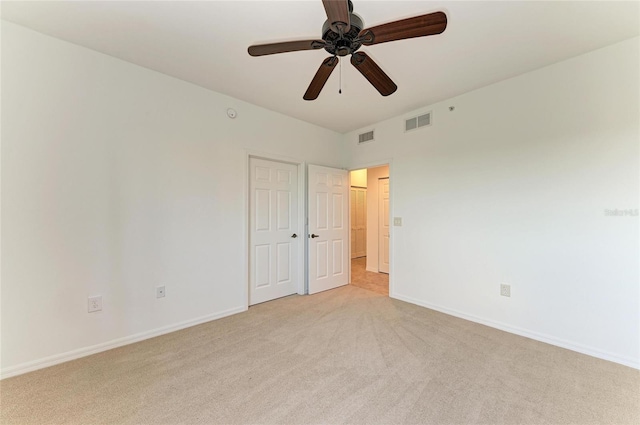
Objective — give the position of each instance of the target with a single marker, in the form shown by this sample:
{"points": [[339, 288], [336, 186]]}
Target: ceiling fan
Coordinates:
{"points": [[342, 34]]}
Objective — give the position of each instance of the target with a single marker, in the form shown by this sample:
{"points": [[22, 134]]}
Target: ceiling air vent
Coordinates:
{"points": [[417, 122], [365, 137]]}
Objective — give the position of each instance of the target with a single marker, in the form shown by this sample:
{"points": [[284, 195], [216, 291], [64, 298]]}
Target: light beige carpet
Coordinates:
{"points": [[343, 356]]}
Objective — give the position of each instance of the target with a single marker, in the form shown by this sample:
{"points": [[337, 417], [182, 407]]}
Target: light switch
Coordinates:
{"points": [[397, 221]]}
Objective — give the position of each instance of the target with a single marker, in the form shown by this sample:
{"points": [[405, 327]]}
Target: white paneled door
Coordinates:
{"points": [[383, 219], [274, 236], [328, 228]]}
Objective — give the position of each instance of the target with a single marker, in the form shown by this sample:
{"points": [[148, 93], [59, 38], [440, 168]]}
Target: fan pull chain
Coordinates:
{"points": [[340, 88]]}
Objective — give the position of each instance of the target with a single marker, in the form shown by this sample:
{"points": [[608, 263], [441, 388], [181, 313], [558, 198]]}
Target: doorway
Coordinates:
{"points": [[369, 221]]}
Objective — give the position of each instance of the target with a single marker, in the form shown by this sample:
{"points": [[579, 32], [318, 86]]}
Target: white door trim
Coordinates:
{"points": [[392, 180], [302, 214]]}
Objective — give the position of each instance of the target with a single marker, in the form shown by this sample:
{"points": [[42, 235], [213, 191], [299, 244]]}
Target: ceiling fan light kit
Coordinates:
{"points": [[343, 34]]}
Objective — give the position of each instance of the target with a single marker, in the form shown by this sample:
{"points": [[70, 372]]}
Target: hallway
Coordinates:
{"points": [[360, 277]]}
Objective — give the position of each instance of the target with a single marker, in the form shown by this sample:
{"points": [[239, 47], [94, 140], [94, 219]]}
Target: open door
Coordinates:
{"points": [[328, 228]]}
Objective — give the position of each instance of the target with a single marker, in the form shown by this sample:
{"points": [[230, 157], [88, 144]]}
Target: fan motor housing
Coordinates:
{"points": [[345, 45]]}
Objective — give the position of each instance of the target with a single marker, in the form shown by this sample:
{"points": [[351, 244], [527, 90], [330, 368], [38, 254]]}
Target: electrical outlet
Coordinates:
{"points": [[160, 292], [95, 303], [505, 290], [397, 221]]}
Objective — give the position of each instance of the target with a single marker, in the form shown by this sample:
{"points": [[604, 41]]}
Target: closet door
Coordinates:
{"points": [[358, 222]]}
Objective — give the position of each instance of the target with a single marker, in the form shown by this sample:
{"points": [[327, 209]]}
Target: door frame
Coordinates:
{"points": [[389, 163], [300, 255]]}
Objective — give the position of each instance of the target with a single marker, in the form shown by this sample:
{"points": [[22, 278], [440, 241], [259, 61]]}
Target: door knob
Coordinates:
{"points": [[314, 236], [294, 236]]}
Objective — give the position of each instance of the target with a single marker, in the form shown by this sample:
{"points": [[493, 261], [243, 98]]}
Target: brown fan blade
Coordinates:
{"points": [[418, 26], [286, 46], [338, 14], [373, 73], [320, 78]]}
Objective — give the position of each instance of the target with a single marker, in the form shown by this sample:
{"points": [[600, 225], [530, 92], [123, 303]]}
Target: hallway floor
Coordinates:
{"points": [[360, 277]]}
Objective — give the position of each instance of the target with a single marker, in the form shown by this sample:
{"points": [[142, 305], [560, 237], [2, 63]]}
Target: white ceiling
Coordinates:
{"points": [[206, 43]]}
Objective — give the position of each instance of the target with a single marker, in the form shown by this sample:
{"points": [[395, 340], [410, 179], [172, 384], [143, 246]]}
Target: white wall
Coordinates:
{"points": [[117, 179], [373, 225], [358, 178], [511, 187]]}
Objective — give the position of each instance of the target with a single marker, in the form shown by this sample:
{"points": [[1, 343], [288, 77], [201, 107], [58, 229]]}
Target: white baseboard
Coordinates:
{"points": [[87, 351], [590, 351]]}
